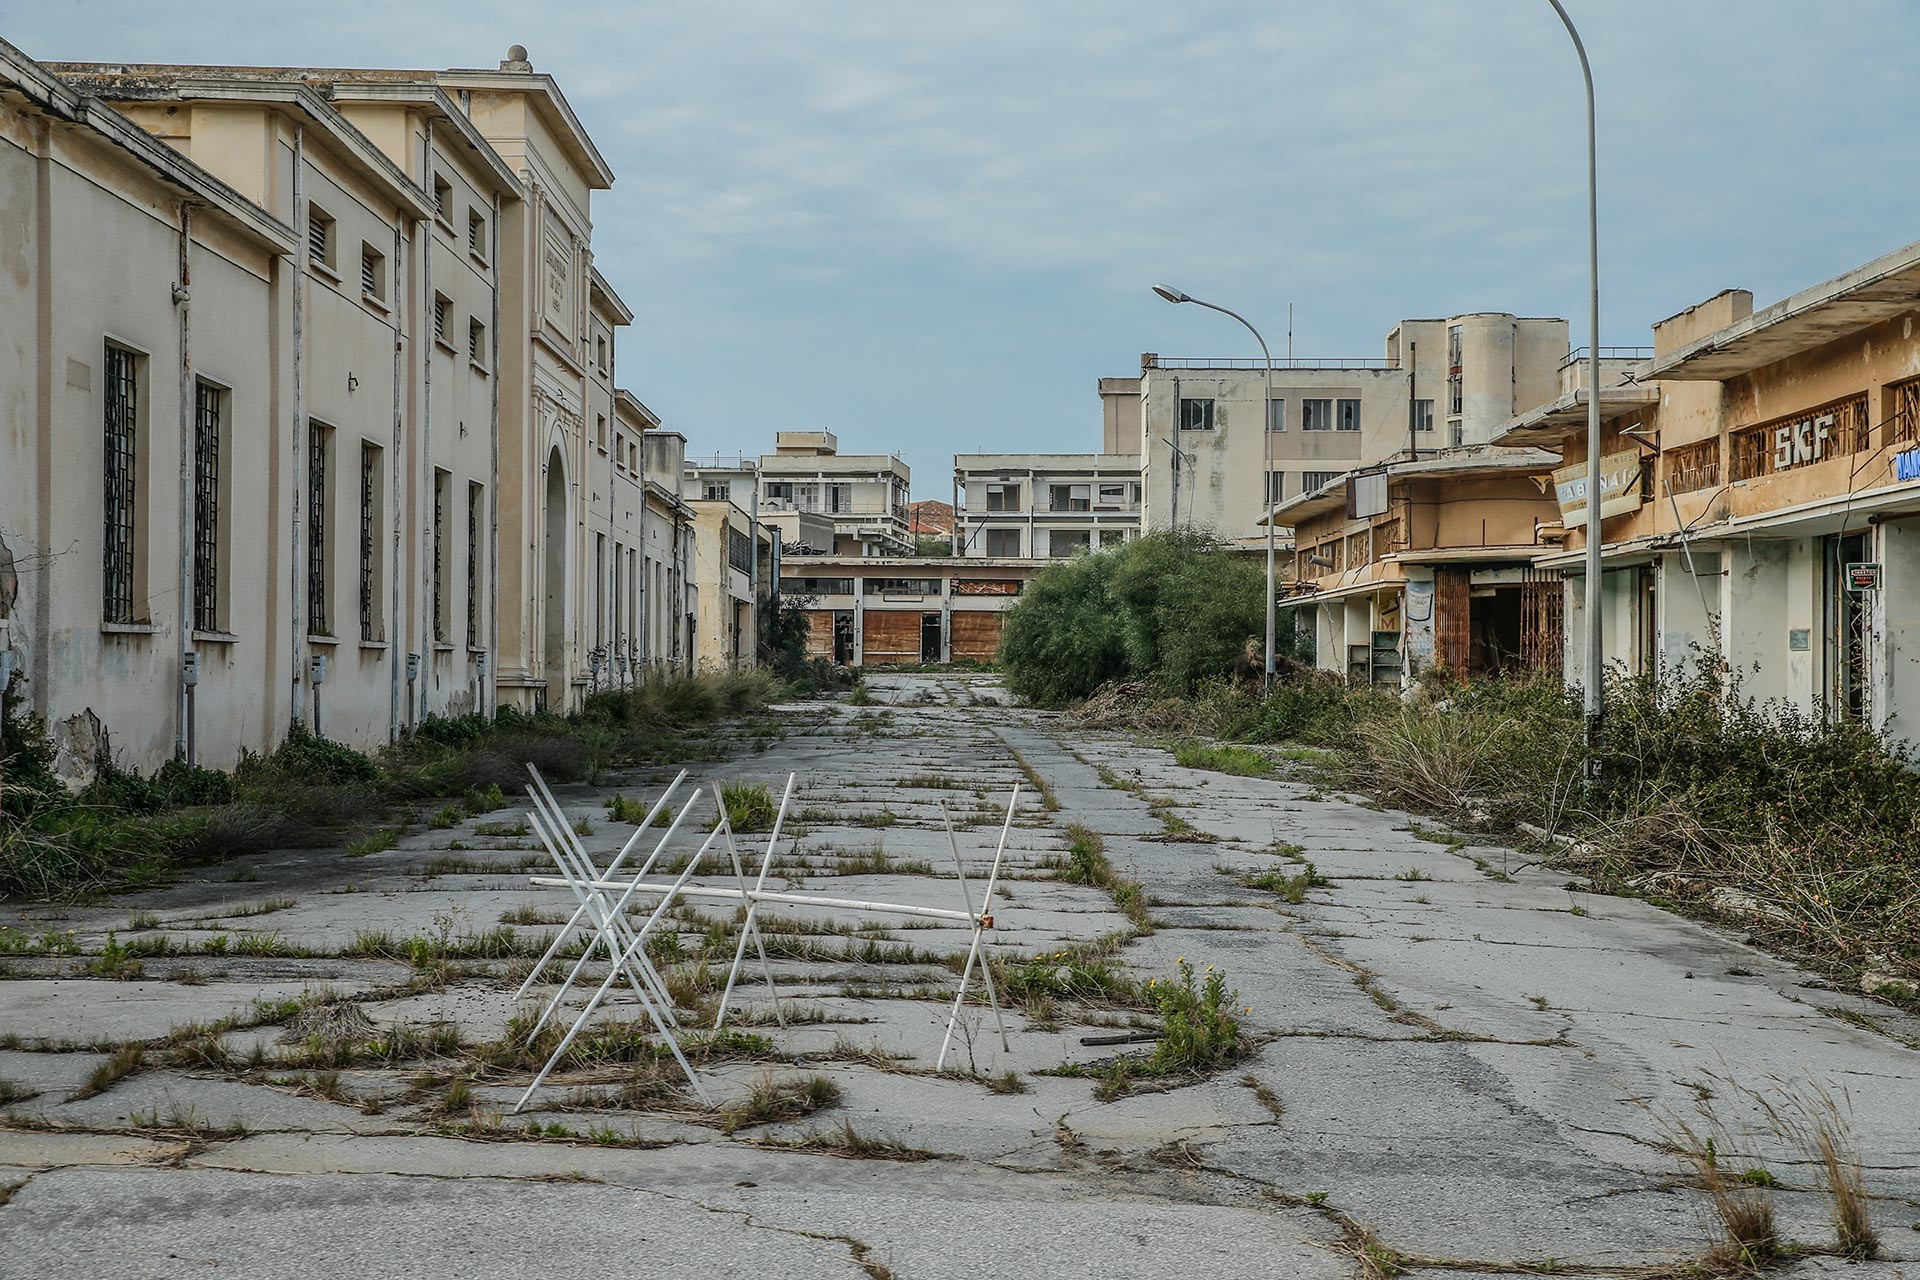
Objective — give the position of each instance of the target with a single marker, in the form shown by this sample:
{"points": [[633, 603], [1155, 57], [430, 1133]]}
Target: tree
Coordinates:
{"points": [[1175, 607]]}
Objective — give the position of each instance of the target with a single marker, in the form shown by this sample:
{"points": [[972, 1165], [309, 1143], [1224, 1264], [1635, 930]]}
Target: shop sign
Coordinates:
{"points": [[1619, 488], [1863, 577], [1802, 441]]}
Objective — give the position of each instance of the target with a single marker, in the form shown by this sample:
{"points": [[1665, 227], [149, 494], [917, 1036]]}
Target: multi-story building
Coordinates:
{"points": [[1761, 498], [733, 555], [1013, 506], [372, 312], [657, 457], [1200, 427], [889, 611], [808, 490]]}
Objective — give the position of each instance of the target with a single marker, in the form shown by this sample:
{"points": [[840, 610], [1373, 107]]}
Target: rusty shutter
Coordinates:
{"points": [[1453, 619], [819, 633], [976, 635], [1543, 605], [891, 636]]}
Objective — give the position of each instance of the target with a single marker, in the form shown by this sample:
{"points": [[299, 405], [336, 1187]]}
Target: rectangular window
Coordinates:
{"points": [[208, 403], [600, 353], [319, 442], [901, 586], [718, 491], [811, 586], [1112, 537], [369, 542], [839, 499], [1003, 497], [599, 590], [1276, 415], [1423, 415], [477, 343], [1276, 487], [1113, 497], [600, 430], [1196, 415], [739, 550], [1062, 543], [1312, 480], [1003, 543], [1347, 415], [319, 236], [477, 234], [1316, 415], [1453, 348], [1069, 497], [475, 497], [442, 197], [373, 273], [442, 306], [780, 491], [122, 483], [442, 495]]}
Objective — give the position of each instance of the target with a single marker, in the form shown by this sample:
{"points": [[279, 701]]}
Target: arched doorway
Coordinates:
{"points": [[554, 633]]}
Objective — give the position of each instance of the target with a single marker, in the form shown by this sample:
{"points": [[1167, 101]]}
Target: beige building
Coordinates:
{"points": [[1200, 425], [362, 456], [1010, 506], [733, 555], [872, 611], [816, 496], [1767, 506]]}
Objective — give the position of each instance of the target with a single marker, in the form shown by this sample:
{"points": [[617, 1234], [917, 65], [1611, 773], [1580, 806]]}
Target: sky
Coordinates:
{"points": [[932, 228]]}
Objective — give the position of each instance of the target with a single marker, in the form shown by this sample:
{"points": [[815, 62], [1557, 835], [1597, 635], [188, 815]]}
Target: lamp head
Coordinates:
{"points": [[1171, 295]]}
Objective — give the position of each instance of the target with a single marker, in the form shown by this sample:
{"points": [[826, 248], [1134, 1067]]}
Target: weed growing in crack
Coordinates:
{"points": [[772, 1098]]}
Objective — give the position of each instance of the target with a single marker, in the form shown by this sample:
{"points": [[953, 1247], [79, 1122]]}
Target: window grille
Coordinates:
{"points": [[1905, 429], [440, 308], [477, 235], [473, 566], [441, 190], [370, 272], [122, 403], [369, 500], [1693, 466], [206, 507], [476, 341], [317, 531], [739, 550], [439, 555], [1769, 447]]}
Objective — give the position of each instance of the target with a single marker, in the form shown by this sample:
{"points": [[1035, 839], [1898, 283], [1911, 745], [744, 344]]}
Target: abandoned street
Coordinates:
{"points": [[1455, 1059]]}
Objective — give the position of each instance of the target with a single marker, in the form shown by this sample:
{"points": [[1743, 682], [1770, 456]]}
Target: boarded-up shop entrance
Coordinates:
{"points": [[976, 635], [890, 637], [929, 637]]}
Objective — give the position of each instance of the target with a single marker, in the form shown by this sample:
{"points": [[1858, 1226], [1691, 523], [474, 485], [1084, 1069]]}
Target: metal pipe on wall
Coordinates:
{"points": [[186, 522]]}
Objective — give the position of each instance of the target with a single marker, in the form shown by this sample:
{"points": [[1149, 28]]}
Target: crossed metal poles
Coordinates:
{"points": [[625, 946]]}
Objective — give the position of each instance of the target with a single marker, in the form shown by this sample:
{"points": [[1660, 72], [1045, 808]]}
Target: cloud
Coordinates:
{"points": [[931, 228]]}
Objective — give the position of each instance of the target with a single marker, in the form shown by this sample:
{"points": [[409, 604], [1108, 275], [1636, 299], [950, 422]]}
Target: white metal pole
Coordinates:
{"points": [[979, 927], [966, 899], [1595, 667], [748, 927]]}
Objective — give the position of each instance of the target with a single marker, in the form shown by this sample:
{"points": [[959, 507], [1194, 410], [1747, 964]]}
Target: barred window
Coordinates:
{"points": [[477, 234], [373, 272], [318, 439], [121, 438], [739, 550], [474, 493], [441, 483], [208, 404], [369, 546], [442, 196], [441, 306], [476, 342]]}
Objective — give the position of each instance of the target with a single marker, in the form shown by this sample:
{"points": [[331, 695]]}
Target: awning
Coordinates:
{"points": [[1884, 288], [1549, 425]]}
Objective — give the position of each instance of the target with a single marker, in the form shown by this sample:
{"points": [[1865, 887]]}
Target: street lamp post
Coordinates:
{"points": [[1266, 434], [1593, 704]]}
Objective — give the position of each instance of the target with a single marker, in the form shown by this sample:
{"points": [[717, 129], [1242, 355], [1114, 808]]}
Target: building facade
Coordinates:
{"points": [[1012, 506], [869, 611], [346, 379]]}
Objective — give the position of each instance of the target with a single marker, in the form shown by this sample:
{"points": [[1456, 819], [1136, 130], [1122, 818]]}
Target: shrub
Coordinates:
{"points": [[1198, 1029], [750, 806]]}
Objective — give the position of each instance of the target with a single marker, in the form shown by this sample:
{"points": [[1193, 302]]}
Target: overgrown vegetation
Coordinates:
{"points": [[129, 830], [1178, 607], [1799, 829]]}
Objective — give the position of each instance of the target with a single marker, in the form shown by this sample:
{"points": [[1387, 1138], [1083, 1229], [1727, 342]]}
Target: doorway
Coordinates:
{"points": [[554, 632], [1848, 627], [929, 637], [843, 637]]}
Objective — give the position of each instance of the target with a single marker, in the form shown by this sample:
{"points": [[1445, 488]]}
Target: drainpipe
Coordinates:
{"points": [[490, 686], [182, 299], [426, 314], [396, 454], [1413, 399], [645, 595], [296, 634]]}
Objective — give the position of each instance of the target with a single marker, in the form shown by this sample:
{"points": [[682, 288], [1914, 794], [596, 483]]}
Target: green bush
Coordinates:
{"points": [[1178, 608]]}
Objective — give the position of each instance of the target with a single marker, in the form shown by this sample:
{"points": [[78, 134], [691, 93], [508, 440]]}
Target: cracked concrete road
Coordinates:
{"points": [[1466, 1057]]}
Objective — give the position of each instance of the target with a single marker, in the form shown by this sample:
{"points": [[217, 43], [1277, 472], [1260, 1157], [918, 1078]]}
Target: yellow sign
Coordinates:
{"points": [[1619, 488]]}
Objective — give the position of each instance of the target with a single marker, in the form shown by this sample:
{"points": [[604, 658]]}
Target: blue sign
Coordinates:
{"points": [[1906, 465]]}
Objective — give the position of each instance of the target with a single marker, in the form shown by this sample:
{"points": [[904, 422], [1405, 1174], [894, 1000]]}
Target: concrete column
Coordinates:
{"points": [[1896, 632], [1417, 626]]}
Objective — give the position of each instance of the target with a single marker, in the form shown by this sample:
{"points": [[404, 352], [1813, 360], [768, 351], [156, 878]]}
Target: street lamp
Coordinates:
{"points": [[1593, 696], [1266, 433]]}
